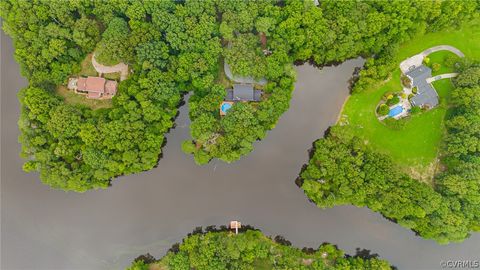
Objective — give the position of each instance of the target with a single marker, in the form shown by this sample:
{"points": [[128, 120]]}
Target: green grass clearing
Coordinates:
{"points": [[440, 58], [414, 145], [112, 76], [71, 98], [87, 67], [221, 77]]}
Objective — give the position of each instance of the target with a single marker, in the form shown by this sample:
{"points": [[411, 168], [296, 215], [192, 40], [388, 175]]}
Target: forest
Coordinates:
{"points": [[175, 47], [250, 249], [343, 169]]}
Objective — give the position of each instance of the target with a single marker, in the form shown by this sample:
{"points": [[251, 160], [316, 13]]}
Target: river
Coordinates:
{"points": [[43, 228]]}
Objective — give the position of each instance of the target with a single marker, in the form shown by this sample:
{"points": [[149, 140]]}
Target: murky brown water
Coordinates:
{"points": [[148, 212]]}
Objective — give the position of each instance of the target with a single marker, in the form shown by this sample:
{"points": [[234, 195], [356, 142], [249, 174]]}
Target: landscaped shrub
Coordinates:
{"points": [[405, 81], [415, 110], [383, 110], [426, 60], [387, 95], [392, 101], [436, 67], [451, 60], [415, 90], [410, 96]]}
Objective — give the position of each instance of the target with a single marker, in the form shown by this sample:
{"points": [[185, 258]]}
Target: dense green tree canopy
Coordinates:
{"points": [[252, 250], [175, 47], [344, 170], [114, 46], [245, 56]]}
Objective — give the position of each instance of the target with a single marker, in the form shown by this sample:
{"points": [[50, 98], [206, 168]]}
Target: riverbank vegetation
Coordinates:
{"points": [[346, 169], [76, 148], [175, 47], [251, 249], [414, 143], [296, 32]]}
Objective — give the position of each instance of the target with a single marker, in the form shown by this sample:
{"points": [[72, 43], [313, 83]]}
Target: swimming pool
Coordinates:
{"points": [[225, 107], [395, 111]]}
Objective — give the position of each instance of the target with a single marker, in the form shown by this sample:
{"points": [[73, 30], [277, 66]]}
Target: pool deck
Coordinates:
{"points": [[222, 112]]}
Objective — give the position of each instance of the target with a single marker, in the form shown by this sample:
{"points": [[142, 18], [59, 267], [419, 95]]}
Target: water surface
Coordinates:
{"points": [[148, 212]]}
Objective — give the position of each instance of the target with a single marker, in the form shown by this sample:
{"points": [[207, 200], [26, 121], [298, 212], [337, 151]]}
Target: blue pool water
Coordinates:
{"points": [[395, 111], [225, 107]]}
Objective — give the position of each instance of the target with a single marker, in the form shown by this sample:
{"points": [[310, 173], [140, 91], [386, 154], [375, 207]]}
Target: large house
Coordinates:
{"points": [[93, 87], [243, 92], [426, 95], [239, 93]]}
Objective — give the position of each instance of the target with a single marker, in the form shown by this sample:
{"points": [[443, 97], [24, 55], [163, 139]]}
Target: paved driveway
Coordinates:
{"points": [[442, 76], [121, 67], [417, 59], [443, 48]]}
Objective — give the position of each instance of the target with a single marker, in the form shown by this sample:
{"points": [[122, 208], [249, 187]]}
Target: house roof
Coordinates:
{"points": [[229, 95], [426, 96], [91, 84], [95, 84], [419, 74], [243, 92], [257, 95], [81, 84], [111, 87]]}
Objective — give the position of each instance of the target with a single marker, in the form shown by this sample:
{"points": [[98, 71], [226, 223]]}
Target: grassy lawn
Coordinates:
{"points": [[112, 76], [87, 67], [221, 77], [440, 57], [87, 70], [71, 98], [414, 145]]}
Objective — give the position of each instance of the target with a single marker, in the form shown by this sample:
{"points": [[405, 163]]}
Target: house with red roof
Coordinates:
{"points": [[93, 87]]}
